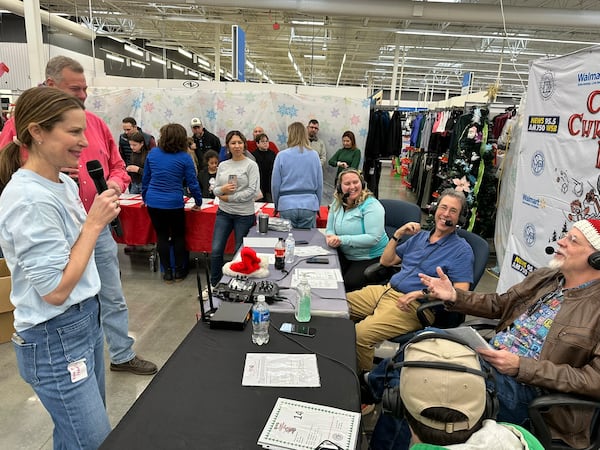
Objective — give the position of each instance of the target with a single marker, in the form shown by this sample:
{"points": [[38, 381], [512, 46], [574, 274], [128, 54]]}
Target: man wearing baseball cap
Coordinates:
{"points": [[204, 140], [547, 340], [444, 399]]}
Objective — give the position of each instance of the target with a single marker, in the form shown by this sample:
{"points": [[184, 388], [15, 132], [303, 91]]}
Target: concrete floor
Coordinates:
{"points": [[160, 316]]}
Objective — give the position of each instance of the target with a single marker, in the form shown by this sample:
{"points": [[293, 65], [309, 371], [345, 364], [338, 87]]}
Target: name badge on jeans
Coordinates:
{"points": [[78, 370]]}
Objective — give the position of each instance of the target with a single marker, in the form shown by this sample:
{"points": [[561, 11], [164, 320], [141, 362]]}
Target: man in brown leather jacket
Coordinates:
{"points": [[548, 338]]}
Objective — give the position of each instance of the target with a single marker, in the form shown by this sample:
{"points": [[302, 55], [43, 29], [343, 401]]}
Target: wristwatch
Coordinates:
{"points": [[395, 238]]}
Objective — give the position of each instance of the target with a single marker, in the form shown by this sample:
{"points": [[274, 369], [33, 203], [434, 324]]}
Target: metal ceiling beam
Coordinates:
{"points": [[16, 7], [470, 13]]}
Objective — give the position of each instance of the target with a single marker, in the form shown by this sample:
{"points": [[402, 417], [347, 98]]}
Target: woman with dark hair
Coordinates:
{"points": [[167, 167], [48, 242], [139, 152], [347, 156], [265, 158], [237, 185], [355, 227]]}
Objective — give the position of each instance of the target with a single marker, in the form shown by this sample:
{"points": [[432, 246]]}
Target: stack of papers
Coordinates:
{"points": [[295, 425]]}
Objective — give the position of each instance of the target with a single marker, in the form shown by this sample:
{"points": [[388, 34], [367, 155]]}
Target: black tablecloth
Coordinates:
{"points": [[197, 401]]}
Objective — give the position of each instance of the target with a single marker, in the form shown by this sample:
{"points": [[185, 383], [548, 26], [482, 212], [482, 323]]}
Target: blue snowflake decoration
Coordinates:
{"points": [[137, 103], [282, 139], [366, 103], [363, 132], [285, 110], [211, 114]]}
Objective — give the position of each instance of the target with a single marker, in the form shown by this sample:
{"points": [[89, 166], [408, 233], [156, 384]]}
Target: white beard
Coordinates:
{"points": [[555, 263]]}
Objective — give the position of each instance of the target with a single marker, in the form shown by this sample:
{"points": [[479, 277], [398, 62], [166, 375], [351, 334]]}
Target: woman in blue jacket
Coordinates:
{"points": [[355, 226], [166, 168]]}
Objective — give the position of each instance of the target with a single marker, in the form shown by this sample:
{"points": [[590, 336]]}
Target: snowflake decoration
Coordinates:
{"points": [[363, 132], [335, 112], [211, 114], [220, 105], [462, 184], [149, 107], [355, 120], [240, 110]]}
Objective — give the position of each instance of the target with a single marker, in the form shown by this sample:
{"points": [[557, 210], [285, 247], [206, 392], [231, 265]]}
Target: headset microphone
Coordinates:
{"points": [[345, 197], [549, 250], [448, 223]]}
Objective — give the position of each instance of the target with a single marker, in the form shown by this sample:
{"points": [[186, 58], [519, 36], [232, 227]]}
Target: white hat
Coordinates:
{"points": [[590, 228], [195, 122]]}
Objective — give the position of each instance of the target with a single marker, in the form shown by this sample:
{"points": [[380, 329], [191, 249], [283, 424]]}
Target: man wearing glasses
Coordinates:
{"points": [[204, 140], [316, 143]]}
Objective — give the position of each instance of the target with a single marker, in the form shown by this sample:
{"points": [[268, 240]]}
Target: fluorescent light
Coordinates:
{"points": [[137, 64], [308, 22], [192, 73], [290, 56], [134, 50], [184, 53], [115, 58], [177, 68], [321, 57], [115, 38], [204, 63], [158, 60]]}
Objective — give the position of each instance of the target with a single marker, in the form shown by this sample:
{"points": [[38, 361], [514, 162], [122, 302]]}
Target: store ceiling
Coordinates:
{"points": [[354, 42]]}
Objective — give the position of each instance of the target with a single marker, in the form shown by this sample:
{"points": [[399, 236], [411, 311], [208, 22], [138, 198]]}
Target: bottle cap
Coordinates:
{"points": [[261, 298]]}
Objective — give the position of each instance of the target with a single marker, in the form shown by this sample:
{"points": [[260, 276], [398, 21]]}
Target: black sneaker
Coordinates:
{"points": [[180, 274], [136, 366], [168, 276]]}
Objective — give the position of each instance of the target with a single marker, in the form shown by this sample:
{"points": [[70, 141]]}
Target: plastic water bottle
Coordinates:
{"points": [[290, 246], [303, 305], [260, 321]]}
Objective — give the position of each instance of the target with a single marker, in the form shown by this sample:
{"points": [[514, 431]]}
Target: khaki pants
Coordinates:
{"points": [[377, 318]]}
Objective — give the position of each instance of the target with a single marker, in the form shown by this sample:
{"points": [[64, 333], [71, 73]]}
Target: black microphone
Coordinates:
{"points": [[96, 172], [345, 197], [448, 223], [549, 250]]}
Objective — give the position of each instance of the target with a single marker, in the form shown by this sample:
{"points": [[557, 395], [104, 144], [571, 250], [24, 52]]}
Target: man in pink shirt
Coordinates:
{"points": [[67, 75]]}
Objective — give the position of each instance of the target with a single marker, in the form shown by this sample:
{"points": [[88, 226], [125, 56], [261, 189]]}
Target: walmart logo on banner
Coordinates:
{"points": [[588, 78]]}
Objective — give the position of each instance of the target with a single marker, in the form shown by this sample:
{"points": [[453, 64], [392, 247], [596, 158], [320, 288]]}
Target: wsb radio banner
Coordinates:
{"points": [[558, 168]]}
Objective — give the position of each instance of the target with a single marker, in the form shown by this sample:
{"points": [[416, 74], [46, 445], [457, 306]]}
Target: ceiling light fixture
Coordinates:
{"points": [[158, 60], [185, 53], [192, 73], [115, 58], [134, 50], [319, 23], [320, 57], [138, 65], [177, 67]]}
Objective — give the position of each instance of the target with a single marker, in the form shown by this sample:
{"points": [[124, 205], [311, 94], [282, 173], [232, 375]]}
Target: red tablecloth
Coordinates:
{"points": [[199, 225]]}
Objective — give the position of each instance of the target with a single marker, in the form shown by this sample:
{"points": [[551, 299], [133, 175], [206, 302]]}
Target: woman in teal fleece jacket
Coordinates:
{"points": [[355, 227]]}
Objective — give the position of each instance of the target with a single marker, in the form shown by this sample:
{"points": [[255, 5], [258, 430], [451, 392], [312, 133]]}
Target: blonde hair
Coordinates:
{"points": [[364, 193], [298, 136]]}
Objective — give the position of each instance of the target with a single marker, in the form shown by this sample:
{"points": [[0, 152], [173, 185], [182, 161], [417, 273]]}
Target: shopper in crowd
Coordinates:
{"points": [[297, 183], [204, 140], [355, 227], [347, 156], [374, 308], [139, 152], [237, 186], [265, 158], [208, 176], [253, 143], [48, 242], [168, 166], [315, 143], [191, 149], [67, 74], [129, 128]]}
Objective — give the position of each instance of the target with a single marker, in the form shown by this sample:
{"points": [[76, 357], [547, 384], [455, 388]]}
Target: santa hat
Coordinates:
{"points": [[250, 264], [590, 228]]}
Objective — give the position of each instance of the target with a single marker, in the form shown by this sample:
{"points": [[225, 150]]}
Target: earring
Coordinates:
{"points": [[39, 142]]}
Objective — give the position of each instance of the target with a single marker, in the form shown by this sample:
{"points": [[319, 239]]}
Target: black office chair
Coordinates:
{"points": [[541, 430], [399, 212]]}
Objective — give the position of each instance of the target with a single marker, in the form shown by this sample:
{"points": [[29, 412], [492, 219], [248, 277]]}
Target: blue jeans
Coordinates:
{"points": [[300, 218], [44, 358], [392, 433], [114, 315], [225, 223], [135, 188]]}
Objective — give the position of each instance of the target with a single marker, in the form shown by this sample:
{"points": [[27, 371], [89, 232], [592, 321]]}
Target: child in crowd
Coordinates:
{"points": [[139, 151], [206, 177]]}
